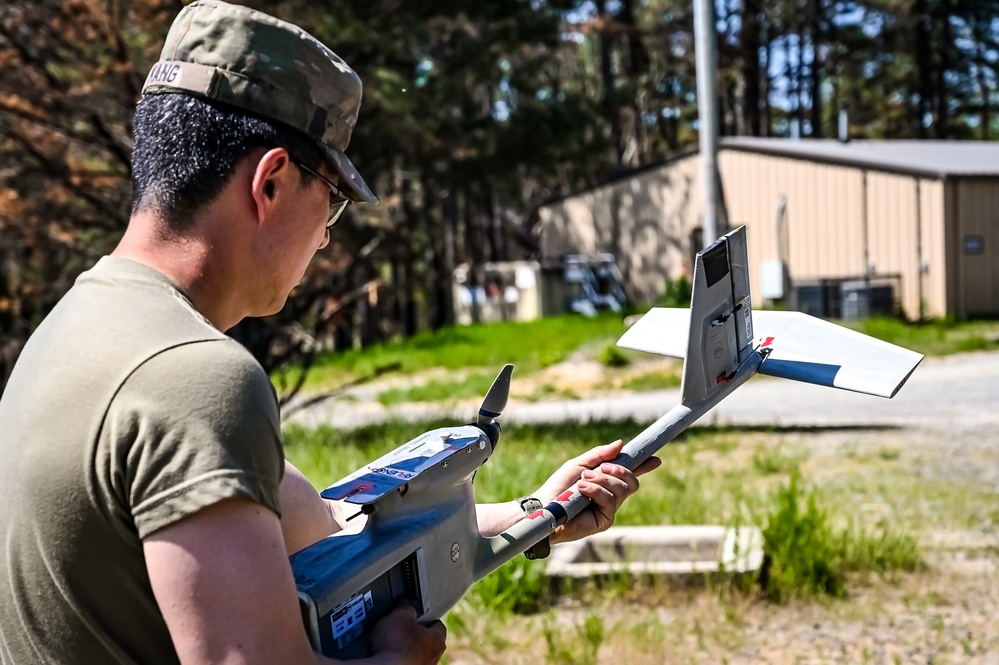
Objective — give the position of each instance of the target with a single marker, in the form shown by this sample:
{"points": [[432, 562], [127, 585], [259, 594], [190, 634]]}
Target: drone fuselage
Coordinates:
{"points": [[420, 515]]}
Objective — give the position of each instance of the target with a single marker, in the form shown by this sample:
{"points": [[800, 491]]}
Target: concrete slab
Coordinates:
{"points": [[659, 550]]}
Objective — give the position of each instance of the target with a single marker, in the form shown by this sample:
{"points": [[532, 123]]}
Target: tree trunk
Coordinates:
{"points": [[609, 101], [410, 219], [923, 66], [815, 68], [942, 98], [751, 42]]}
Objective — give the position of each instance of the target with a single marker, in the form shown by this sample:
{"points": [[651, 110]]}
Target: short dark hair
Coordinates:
{"points": [[186, 149]]}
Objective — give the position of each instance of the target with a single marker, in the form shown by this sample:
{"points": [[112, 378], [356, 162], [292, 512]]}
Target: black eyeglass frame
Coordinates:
{"points": [[338, 202]]}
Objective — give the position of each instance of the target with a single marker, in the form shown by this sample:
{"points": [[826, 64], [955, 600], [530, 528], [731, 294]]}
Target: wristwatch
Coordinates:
{"points": [[542, 549]]}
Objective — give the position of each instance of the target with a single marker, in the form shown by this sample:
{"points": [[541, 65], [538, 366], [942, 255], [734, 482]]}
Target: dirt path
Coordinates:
{"points": [[957, 393]]}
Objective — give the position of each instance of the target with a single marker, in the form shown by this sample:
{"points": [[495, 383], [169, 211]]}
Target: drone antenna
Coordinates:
{"points": [[495, 400]]}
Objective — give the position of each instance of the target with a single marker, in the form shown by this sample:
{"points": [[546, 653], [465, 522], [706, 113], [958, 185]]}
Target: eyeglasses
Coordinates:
{"points": [[338, 202]]}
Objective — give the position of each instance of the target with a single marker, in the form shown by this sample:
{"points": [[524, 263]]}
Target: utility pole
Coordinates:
{"points": [[706, 52]]}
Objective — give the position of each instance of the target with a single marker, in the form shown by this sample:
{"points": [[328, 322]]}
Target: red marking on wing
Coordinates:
{"points": [[564, 496], [767, 342], [536, 514]]}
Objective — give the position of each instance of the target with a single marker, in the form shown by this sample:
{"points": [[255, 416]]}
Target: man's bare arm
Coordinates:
{"points": [[223, 583], [306, 517]]}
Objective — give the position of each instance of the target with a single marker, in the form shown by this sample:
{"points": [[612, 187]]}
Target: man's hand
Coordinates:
{"points": [[399, 638], [606, 485]]}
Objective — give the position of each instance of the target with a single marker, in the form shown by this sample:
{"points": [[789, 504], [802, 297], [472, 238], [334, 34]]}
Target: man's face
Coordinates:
{"points": [[293, 231]]}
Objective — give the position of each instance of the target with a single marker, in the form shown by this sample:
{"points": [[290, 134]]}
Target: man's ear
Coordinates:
{"points": [[272, 173]]}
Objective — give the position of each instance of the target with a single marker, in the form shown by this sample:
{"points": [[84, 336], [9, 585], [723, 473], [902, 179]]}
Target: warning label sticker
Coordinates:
{"points": [[347, 618]]}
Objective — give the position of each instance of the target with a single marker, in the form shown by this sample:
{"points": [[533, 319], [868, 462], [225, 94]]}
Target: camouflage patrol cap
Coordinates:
{"points": [[246, 59]]}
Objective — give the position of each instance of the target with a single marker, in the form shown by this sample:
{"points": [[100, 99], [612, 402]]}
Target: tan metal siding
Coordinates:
{"points": [[646, 221], [824, 213], [892, 234], [933, 226], [828, 235], [979, 273]]}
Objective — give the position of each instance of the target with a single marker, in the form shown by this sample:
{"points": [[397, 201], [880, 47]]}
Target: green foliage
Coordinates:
{"points": [[889, 454], [653, 381], [576, 646], [770, 460], [548, 390], [612, 356], [677, 293], [801, 555], [939, 337], [518, 587], [880, 551], [531, 345], [806, 556], [474, 385]]}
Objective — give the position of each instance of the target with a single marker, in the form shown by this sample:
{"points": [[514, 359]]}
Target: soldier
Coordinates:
{"points": [[140, 454]]}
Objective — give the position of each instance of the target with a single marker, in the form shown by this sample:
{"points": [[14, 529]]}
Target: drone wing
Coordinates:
{"points": [[801, 347]]}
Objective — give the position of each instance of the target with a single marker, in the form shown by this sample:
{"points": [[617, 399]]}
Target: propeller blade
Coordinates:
{"points": [[495, 400]]}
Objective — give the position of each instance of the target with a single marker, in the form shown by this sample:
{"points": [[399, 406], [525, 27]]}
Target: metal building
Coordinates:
{"points": [[921, 217]]}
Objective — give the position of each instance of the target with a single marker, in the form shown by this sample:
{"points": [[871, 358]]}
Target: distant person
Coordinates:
{"points": [[147, 512]]}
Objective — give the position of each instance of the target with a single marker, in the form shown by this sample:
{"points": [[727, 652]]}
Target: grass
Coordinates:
{"points": [[769, 460], [652, 381], [805, 555], [935, 338], [530, 345], [726, 476], [612, 356], [437, 390], [708, 477], [534, 345], [547, 390]]}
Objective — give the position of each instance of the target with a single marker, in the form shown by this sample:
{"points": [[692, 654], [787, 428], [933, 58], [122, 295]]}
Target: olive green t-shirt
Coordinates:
{"points": [[126, 412]]}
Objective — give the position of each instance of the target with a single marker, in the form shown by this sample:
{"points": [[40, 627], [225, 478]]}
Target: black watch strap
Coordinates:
{"points": [[542, 549]]}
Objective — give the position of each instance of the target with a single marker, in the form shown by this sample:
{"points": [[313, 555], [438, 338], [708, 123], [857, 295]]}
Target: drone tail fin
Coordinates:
{"points": [[716, 334]]}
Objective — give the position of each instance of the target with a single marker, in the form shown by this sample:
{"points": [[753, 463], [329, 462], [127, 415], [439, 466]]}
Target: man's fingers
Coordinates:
{"points": [[605, 490], [602, 497], [624, 473], [595, 456], [439, 628], [618, 486], [403, 606], [650, 464], [604, 505]]}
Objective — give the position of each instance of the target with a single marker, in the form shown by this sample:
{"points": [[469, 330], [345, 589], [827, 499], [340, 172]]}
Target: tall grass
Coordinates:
{"points": [[805, 555]]}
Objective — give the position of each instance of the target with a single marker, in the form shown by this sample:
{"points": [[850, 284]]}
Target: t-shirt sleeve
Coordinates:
{"points": [[192, 426]]}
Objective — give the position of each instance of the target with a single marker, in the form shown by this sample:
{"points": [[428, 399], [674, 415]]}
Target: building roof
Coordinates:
{"points": [[934, 159], [923, 158]]}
